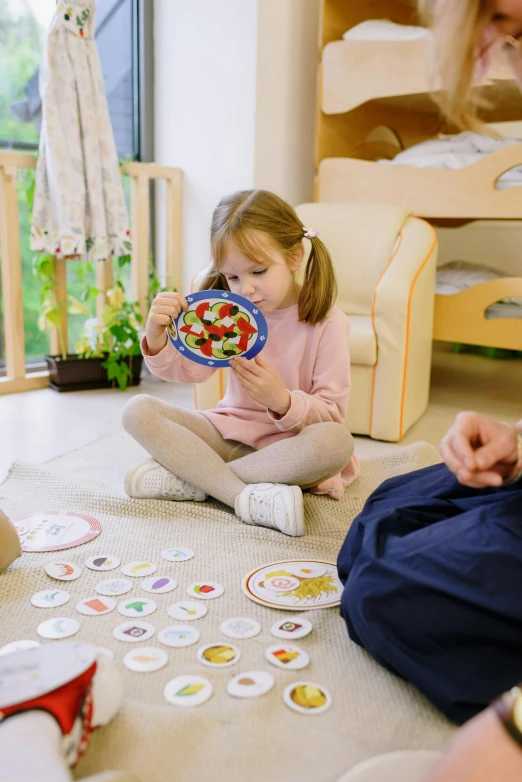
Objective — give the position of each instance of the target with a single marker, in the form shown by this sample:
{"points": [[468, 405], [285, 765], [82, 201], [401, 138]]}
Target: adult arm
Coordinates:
{"points": [[482, 751], [10, 548], [480, 451]]}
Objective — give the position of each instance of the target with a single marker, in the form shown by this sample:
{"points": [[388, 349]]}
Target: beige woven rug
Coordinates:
{"points": [[224, 740]]}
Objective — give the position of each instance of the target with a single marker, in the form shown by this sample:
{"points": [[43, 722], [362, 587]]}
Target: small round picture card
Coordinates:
{"points": [[177, 554], [205, 590], [54, 530], [137, 606], [218, 655], [145, 659], [96, 606], [188, 690], [62, 627], [62, 570], [34, 672], [251, 684], [307, 698], [137, 569], [18, 646], [158, 585], [178, 636], [217, 326], [240, 627], [132, 632], [294, 585], [290, 630], [114, 586], [50, 598], [102, 562], [187, 610], [287, 656]]}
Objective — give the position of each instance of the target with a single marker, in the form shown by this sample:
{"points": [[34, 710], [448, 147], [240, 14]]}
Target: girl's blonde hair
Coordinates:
{"points": [[458, 28], [238, 215]]}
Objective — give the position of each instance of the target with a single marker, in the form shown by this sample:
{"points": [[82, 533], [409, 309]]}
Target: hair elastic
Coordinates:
{"points": [[309, 232]]}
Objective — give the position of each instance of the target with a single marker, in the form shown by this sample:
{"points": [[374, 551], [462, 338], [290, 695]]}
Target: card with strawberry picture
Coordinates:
{"points": [[217, 326]]}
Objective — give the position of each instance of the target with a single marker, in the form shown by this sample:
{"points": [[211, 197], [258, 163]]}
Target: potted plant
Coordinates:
{"points": [[108, 352]]}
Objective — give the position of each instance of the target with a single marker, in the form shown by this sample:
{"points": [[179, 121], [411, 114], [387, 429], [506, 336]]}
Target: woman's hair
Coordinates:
{"points": [[458, 29], [234, 220]]}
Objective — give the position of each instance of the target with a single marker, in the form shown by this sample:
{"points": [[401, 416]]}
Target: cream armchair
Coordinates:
{"points": [[385, 262]]}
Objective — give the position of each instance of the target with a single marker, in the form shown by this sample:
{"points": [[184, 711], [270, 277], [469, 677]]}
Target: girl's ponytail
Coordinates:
{"points": [[319, 290]]}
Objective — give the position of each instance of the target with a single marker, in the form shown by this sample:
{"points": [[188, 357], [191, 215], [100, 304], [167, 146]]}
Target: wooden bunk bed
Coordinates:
{"points": [[374, 101]]}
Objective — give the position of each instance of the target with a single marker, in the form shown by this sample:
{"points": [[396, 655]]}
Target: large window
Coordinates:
{"points": [[123, 38], [23, 28]]}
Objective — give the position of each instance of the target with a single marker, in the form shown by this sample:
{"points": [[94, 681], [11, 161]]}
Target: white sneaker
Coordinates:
{"points": [[149, 480], [274, 505]]}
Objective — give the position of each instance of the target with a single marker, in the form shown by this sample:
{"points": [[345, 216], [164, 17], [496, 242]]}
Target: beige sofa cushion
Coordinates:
{"points": [[361, 240], [363, 344]]}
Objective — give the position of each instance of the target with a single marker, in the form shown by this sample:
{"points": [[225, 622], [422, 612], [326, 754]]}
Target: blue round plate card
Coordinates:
{"points": [[217, 326]]}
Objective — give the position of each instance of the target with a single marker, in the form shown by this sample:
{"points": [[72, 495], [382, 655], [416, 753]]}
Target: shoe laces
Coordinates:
{"points": [[260, 506], [176, 487]]}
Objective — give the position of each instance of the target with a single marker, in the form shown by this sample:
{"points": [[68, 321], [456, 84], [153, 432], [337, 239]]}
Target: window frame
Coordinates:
{"points": [[142, 77]]}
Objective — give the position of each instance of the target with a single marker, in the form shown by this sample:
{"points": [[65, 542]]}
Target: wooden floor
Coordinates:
{"points": [[40, 425]]}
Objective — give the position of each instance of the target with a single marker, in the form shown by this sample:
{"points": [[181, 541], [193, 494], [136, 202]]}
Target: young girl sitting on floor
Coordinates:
{"points": [[279, 428]]}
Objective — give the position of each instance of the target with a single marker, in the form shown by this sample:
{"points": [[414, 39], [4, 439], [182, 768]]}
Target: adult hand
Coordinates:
{"points": [[164, 308], [482, 751], [479, 451], [262, 384]]}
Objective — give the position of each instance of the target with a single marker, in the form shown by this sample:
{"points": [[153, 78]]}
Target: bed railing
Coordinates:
{"points": [[17, 378]]}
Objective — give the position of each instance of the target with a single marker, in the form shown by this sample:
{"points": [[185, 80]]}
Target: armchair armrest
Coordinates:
{"points": [[402, 317]]}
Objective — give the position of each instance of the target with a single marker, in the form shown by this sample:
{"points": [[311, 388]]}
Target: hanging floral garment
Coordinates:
{"points": [[79, 206]]}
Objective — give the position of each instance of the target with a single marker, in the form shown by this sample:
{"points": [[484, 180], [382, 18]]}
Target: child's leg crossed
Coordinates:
{"points": [[317, 452], [186, 444], [190, 448]]}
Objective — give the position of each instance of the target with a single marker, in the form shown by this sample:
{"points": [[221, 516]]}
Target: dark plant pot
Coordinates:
{"points": [[79, 374]]}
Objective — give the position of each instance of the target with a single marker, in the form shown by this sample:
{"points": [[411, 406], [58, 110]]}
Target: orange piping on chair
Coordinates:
{"points": [[410, 295], [220, 371], [194, 389], [374, 300]]}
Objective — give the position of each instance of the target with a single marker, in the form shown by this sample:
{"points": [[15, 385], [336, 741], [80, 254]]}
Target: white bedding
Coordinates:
{"points": [[458, 151], [458, 276], [385, 30]]}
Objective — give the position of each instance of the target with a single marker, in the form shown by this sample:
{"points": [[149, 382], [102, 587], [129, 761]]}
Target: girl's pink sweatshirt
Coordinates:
{"points": [[312, 362]]}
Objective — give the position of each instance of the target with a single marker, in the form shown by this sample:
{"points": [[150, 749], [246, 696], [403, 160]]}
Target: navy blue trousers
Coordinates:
{"points": [[433, 586]]}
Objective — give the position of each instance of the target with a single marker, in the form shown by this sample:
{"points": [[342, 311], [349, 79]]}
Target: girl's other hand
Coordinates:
{"points": [[262, 384], [479, 451], [164, 308]]}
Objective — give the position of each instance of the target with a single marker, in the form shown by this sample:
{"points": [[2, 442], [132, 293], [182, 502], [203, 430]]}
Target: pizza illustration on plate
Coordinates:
{"points": [[217, 326], [294, 585]]}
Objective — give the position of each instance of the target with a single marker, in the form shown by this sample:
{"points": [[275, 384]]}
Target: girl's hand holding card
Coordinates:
{"points": [[262, 384], [165, 308]]}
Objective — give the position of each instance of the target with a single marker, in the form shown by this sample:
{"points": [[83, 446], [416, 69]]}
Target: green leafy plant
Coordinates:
{"points": [[115, 337], [53, 311]]}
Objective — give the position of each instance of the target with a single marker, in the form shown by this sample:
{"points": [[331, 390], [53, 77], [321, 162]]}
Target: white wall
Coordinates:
{"points": [[235, 84], [287, 61], [205, 99]]}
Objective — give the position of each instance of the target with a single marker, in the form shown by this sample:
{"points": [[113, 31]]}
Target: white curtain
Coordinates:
{"points": [[79, 207]]}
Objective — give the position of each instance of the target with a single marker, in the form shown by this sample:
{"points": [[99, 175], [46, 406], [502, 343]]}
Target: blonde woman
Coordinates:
{"points": [[433, 564]]}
